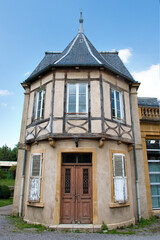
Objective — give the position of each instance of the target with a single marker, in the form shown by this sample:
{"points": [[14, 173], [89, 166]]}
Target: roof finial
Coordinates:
{"points": [[81, 23]]}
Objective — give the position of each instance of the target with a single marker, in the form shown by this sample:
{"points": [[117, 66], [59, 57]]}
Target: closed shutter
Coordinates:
{"points": [[119, 178], [35, 178]]}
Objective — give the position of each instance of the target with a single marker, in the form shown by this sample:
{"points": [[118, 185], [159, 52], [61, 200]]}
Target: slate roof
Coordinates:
{"points": [[148, 102], [81, 52]]}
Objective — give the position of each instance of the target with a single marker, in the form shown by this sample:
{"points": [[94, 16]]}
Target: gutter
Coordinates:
{"points": [[135, 158], [22, 183]]}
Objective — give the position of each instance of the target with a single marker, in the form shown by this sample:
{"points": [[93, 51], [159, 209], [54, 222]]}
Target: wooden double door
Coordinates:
{"points": [[76, 188]]}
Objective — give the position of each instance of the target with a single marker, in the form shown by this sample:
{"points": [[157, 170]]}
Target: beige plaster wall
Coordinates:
{"points": [[127, 108], [107, 100], [59, 98], [109, 215], [95, 99], [117, 82]]}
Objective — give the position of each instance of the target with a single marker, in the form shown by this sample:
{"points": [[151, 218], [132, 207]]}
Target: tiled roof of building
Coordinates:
{"points": [[148, 102], [81, 52]]}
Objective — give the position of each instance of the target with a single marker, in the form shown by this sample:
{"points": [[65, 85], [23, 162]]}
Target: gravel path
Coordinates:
{"points": [[9, 232]]}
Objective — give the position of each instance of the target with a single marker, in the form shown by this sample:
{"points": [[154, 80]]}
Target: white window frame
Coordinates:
{"points": [[77, 98], [41, 104], [115, 105], [120, 182], [39, 178]]}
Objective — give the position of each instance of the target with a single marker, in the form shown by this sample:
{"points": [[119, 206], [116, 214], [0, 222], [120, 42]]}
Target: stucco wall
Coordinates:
{"points": [[46, 214]]}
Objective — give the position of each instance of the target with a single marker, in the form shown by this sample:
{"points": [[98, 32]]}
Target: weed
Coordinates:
{"points": [[104, 226], [21, 225], [77, 231]]}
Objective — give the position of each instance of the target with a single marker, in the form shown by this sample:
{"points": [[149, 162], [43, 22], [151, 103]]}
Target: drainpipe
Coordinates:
{"points": [[22, 184], [135, 158]]}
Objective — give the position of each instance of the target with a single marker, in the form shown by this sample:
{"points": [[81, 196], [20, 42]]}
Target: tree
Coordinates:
{"points": [[8, 154]]}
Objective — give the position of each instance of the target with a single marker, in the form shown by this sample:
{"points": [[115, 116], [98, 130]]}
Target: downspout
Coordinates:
{"points": [[135, 158], [22, 184]]}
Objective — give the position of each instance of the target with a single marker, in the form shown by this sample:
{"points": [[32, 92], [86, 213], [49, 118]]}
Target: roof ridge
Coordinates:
{"points": [[53, 52], [68, 49], [110, 52]]}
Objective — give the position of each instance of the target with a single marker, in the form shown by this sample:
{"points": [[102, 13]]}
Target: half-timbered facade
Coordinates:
{"points": [[80, 152]]}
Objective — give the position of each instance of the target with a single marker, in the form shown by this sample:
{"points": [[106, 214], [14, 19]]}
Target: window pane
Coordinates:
{"points": [[156, 202], [117, 96], [119, 114], [68, 158], [154, 178], [113, 112], [112, 94], [36, 165], [82, 88], [85, 158], [155, 189], [72, 108], [118, 171], [82, 108], [34, 189], [72, 99], [154, 167], [82, 99], [72, 88]]}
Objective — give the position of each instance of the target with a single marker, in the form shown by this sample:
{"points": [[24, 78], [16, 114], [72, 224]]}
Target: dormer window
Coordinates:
{"points": [[39, 110], [117, 105], [77, 98]]}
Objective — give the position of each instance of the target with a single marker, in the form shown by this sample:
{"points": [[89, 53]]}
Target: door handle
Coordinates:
{"points": [[76, 195]]}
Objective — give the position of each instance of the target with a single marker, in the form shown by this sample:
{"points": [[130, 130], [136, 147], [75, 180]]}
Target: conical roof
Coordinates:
{"points": [[81, 52]]}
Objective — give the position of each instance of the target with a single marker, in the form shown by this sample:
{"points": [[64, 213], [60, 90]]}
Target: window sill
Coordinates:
{"points": [[35, 204], [118, 205]]}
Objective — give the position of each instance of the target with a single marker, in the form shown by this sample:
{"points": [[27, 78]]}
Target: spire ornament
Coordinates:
{"points": [[81, 23]]}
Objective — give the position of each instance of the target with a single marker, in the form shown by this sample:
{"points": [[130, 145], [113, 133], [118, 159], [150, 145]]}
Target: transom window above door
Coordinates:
{"points": [[77, 98]]}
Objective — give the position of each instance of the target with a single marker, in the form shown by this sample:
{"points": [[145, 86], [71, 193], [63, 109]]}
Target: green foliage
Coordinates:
{"points": [[2, 173], [7, 182], [5, 202], [146, 222], [21, 225], [104, 226], [8, 154], [5, 192]]}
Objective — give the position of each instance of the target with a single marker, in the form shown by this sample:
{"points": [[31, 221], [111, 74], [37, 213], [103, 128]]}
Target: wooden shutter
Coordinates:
{"points": [[35, 178], [119, 178]]}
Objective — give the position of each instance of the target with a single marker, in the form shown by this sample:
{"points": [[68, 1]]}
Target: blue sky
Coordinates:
{"points": [[28, 28]]}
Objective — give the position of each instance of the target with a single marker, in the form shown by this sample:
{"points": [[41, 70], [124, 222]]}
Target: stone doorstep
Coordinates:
{"points": [[74, 227]]}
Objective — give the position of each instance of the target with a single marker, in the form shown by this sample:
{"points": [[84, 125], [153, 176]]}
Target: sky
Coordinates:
{"points": [[29, 28]]}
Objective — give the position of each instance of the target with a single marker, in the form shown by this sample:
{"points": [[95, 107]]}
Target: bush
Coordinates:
{"points": [[5, 192], [2, 174]]}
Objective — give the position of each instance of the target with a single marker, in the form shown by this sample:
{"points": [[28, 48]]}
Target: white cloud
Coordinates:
{"points": [[3, 104], [5, 93], [125, 54], [26, 74], [150, 81]]}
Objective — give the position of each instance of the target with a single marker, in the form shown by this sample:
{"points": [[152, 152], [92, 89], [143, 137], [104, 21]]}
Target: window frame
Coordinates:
{"points": [[122, 106], [40, 177], [114, 202], [77, 113], [36, 104]]}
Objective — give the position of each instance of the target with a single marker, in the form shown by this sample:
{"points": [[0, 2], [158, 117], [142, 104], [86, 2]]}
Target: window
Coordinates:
{"points": [[40, 97], [153, 153], [35, 177], [77, 98], [117, 105], [119, 178]]}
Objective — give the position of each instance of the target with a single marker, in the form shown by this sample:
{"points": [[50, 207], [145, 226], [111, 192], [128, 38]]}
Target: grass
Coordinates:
{"points": [[5, 202], [8, 182], [132, 229], [21, 225]]}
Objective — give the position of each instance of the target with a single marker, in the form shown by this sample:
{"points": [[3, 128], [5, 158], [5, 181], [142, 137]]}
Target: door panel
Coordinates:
{"points": [[76, 193]]}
